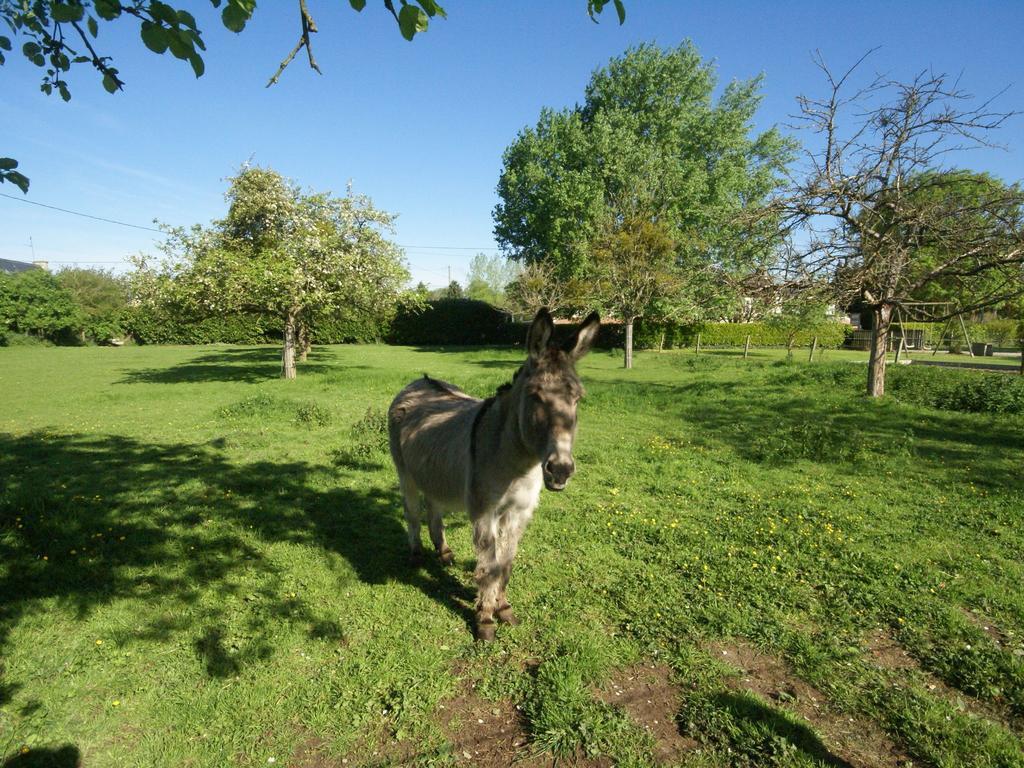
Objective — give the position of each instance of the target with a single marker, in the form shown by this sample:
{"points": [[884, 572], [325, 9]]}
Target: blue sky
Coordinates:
{"points": [[421, 126]]}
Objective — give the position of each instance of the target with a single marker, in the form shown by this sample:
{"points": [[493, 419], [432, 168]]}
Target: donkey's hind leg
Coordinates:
{"points": [[411, 505], [444, 552]]}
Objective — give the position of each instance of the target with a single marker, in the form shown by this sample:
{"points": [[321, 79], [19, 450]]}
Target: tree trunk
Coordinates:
{"points": [[304, 343], [629, 343], [288, 354], [879, 347]]}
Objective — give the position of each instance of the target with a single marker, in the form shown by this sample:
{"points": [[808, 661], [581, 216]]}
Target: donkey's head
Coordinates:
{"points": [[550, 392]]}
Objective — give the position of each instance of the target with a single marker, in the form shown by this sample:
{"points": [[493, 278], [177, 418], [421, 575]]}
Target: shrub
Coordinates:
{"points": [[249, 407], [370, 440], [34, 302], [312, 415], [453, 321], [970, 391]]}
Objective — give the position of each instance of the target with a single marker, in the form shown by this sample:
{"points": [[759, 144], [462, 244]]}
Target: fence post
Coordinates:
{"points": [[746, 347], [814, 348], [698, 343]]}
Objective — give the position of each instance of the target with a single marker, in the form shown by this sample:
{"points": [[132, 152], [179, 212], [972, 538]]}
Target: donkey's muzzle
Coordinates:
{"points": [[557, 474]]}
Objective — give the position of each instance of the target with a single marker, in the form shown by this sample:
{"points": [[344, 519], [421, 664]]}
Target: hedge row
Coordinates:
{"points": [[669, 335]]}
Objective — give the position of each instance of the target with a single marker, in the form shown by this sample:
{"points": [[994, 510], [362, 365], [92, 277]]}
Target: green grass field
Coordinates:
{"points": [[202, 565]]}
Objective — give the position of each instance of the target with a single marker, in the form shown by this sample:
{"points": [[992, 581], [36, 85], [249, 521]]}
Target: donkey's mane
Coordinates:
{"points": [[488, 402]]}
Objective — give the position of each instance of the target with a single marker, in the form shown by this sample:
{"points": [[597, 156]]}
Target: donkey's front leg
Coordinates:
{"points": [[504, 611], [508, 545], [487, 574]]}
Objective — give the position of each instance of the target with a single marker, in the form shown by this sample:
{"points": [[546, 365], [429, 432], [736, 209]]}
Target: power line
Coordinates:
{"points": [[160, 231], [78, 213]]}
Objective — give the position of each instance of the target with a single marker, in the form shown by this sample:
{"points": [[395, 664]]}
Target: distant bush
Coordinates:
{"points": [[970, 391], [34, 302], [153, 325], [369, 440], [453, 322], [312, 415]]}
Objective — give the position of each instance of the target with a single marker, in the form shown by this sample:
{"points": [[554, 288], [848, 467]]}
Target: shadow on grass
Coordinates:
{"points": [[87, 520], [45, 757], [245, 364], [774, 733], [774, 421]]}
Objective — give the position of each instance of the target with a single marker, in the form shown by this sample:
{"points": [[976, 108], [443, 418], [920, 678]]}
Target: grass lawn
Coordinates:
{"points": [[203, 565]]}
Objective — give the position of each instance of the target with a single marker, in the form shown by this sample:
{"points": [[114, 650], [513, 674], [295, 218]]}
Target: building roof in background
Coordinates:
{"points": [[13, 267]]}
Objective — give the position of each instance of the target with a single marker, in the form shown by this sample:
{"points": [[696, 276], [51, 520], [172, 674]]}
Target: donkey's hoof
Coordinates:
{"points": [[485, 632], [506, 615], [446, 557]]}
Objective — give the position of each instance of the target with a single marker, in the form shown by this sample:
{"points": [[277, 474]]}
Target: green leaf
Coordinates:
{"points": [[163, 12], [65, 12], [234, 17], [17, 179], [8, 163], [411, 20], [31, 50], [110, 84], [187, 19], [358, 5], [108, 9], [180, 43], [94, 28], [154, 36], [620, 9], [432, 8], [5, 43], [64, 92], [198, 66]]}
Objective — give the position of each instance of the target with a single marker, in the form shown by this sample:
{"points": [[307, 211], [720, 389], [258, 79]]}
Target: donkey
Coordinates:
{"points": [[490, 457]]}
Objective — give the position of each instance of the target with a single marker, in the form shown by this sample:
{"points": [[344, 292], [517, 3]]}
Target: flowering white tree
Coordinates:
{"points": [[283, 252]]}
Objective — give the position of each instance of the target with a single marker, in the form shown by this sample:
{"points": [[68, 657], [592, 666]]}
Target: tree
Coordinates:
{"points": [[55, 35], [882, 217], [488, 278], [650, 109], [282, 251], [102, 297], [34, 302], [453, 291], [634, 262], [648, 143], [538, 286]]}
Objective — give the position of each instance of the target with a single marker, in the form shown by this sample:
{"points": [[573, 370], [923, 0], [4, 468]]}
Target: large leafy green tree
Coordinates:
{"points": [[56, 35], [34, 302], [102, 297], [650, 142], [284, 252]]}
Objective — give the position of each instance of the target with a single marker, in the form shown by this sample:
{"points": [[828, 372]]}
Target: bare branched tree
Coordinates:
{"points": [[538, 285], [884, 215]]}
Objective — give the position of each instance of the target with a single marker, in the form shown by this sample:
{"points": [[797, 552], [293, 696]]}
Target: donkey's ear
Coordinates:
{"points": [[540, 333], [580, 342]]}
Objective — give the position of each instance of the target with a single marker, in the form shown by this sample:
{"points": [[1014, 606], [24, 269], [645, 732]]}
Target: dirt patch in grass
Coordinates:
{"points": [[1008, 641], [647, 694], [494, 734], [849, 741], [485, 733], [885, 652], [309, 754]]}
